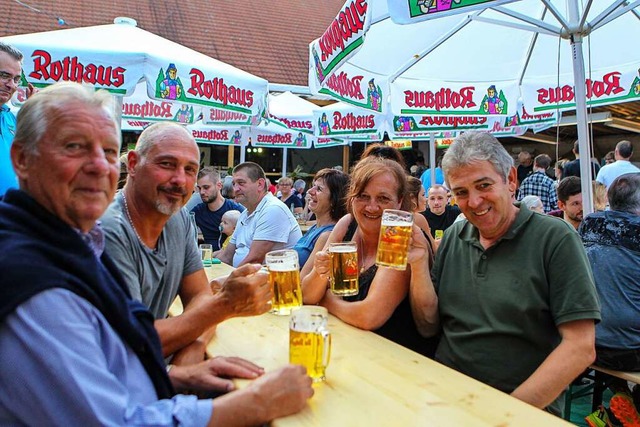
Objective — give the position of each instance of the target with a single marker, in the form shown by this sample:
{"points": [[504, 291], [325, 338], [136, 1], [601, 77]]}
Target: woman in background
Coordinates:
{"points": [[327, 202]]}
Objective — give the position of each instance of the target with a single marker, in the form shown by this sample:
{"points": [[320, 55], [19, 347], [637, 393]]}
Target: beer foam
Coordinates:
{"points": [[388, 223], [342, 249], [285, 266]]}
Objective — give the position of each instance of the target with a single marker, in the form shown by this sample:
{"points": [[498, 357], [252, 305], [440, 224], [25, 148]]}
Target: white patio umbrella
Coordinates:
{"points": [[116, 57], [486, 62]]}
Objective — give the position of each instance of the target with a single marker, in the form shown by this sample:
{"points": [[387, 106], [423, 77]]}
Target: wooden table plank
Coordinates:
{"points": [[373, 381]]}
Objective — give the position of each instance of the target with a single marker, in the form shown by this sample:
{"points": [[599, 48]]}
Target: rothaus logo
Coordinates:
{"points": [[71, 69], [211, 135], [349, 21], [352, 122], [454, 121], [217, 90], [345, 86], [275, 139], [445, 98], [610, 84], [148, 109], [293, 124]]}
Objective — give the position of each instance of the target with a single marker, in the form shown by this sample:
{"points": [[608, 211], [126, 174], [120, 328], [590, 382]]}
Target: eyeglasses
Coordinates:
{"points": [[5, 77]]}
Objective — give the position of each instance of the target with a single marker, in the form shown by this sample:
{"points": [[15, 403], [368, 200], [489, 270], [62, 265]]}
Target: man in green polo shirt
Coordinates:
{"points": [[511, 292]]}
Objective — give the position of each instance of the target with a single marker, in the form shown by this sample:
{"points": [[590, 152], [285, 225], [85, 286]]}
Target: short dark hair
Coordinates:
{"points": [[569, 186], [625, 149], [624, 193], [210, 172], [542, 161], [253, 170], [576, 146]]}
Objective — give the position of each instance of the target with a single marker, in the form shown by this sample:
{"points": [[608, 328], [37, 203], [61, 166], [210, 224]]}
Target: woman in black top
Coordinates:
{"points": [[382, 304]]}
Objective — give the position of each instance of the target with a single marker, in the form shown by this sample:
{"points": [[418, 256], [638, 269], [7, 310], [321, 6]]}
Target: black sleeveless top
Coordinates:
{"points": [[400, 327]]}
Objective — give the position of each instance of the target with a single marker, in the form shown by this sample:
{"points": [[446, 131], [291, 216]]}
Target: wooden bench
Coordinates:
{"points": [[634, 377], [601, 379]]}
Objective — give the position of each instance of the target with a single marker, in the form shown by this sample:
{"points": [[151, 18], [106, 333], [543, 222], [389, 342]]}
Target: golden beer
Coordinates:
{"points": [[310, 340], [439, 234], [307, 349], [287, 293], [284, 280], [344, 269], [393, 243]]}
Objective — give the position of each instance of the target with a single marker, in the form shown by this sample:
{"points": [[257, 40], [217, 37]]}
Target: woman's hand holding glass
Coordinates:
{"points": [[322, 264]]}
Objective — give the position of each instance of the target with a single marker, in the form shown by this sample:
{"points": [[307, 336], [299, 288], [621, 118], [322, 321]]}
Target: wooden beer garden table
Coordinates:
{"points": [[372, 381]]}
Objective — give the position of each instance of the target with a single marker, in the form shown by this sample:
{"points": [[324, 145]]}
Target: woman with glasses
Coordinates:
{"points": [[382, 303]]}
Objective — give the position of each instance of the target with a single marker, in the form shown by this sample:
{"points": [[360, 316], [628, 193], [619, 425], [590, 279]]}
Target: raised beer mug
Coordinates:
{"points": [[310, 340], [284, 280], [344, 268], [393, 243]]}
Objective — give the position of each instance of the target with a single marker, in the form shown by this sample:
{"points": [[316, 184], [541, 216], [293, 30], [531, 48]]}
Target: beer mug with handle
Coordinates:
{"points": [[310, 340], [284, 280], [344, 268], [395, 234]]}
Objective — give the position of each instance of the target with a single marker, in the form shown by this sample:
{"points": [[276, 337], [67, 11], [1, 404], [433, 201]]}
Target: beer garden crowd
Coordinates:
{"points": [[492, 289]]}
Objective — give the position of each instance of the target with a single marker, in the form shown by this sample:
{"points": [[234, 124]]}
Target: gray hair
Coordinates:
{"points": [[624, 193], [12, 51], [472, 147], [299, 184], [531, 201], [35, 116], [156, 132]]}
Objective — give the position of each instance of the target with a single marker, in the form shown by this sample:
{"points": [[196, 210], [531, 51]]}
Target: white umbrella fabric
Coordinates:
{"points": [[116, 57], [487, 62]]}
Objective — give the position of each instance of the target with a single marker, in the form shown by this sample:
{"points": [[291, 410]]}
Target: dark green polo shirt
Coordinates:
{"points": [[500, 308]]}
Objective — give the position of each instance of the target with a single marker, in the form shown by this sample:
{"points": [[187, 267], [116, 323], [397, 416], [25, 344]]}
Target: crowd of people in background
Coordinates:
{"points": [[496, 287]]}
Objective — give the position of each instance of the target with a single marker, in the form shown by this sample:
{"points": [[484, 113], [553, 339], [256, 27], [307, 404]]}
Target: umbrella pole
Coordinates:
{"points": [[117, 113], [432, 159], [243, 150], [584, 143], [284, 161]]}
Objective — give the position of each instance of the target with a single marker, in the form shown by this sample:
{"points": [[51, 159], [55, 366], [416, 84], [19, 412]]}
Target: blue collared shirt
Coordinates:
{"points": [[8, 177], [61, 363]]}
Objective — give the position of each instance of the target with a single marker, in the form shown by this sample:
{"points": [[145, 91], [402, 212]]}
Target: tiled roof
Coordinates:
{"points": [[269, 39]]}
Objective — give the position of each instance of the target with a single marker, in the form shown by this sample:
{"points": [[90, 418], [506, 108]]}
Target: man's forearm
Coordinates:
{"points": [[556, 372], [180, 331], [424, 300]]}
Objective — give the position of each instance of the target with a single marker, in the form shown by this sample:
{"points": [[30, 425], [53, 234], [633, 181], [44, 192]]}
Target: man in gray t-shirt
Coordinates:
{"points": [[152, 240]]}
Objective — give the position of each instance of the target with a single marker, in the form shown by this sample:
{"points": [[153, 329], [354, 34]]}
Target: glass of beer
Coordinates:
{"points": [[393, 244], [310, 340], [206, 252], [284, 280], [344, 268], [439, 234]]}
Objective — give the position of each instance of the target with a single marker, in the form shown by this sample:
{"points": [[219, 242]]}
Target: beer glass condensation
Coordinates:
{"points": [[393, 243], [310, 340], [344, 268], [284, 280]]}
